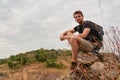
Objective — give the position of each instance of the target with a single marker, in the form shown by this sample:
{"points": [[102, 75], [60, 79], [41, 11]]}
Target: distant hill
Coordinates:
{"points": [[39, 64], [53, 64]]}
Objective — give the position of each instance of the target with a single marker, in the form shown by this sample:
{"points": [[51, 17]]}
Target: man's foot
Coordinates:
{"points": [[73, 67]]}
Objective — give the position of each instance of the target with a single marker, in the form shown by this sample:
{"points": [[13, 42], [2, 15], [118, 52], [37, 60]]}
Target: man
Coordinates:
{"points": [[79, 41]]}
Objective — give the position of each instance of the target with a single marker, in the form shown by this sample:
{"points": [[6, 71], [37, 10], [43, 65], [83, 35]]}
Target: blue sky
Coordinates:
{"points": [[28, 25]]}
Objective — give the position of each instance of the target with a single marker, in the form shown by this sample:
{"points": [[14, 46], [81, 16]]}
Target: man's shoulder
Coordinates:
{"points": [[77, 26], [87, 22]]}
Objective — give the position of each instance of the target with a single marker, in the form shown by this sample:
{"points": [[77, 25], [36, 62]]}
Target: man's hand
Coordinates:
{"points": [[62, 37], [67, 36]]}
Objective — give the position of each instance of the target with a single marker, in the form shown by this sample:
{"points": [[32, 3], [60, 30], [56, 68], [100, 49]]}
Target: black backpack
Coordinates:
{"points": [[98, 30]]}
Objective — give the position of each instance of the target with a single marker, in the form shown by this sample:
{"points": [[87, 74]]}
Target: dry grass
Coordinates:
{"points": [[34, 71]]}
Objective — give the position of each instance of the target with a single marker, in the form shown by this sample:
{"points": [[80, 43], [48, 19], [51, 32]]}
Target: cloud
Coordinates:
{"points": [[32, 24]]}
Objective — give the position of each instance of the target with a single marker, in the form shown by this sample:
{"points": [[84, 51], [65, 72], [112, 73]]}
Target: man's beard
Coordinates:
{"points": [[80, 21]]}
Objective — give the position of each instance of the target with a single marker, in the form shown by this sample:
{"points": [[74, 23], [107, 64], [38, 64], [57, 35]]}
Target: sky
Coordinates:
{"points": [[27, 25]]}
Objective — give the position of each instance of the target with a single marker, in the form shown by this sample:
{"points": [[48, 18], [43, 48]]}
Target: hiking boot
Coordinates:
{"points": [[73, 67]]}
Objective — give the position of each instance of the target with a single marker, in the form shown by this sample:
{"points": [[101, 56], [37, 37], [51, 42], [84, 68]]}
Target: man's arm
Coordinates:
{"points": [[71, 31], [85, 33], [67, 34]]}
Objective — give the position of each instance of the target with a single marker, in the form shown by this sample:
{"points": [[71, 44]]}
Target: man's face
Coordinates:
{"points": [[78, 18]]}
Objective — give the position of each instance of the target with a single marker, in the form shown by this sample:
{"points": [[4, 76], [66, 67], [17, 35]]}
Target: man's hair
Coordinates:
{"points": [[77, 12]]}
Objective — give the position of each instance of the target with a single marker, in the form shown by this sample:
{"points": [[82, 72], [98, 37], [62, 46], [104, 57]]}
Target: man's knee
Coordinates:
{"points": [[72, 38], [69, 34], [75, 38]]}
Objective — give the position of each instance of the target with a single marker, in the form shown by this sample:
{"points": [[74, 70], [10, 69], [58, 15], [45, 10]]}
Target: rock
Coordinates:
{"points": [[102, 66], [87, 58], [118, 78], [97, 67]]}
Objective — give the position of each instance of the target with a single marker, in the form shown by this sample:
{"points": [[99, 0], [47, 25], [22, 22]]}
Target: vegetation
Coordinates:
{"points": [[3, 61], [112, 41], [49, 57], [17, 61]]}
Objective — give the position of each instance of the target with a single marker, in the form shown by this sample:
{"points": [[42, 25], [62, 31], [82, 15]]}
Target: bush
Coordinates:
{"points": [[41, 55], [3, 61], [13, 64], [53, 64], [17, 61], [68, 53], [48, 56]]}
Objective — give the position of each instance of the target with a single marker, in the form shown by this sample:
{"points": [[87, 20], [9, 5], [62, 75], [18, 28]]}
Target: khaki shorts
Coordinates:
{"points": [[85, 46]]}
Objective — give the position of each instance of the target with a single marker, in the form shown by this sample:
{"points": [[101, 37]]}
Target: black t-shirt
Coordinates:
{"points": [[86, 24]]}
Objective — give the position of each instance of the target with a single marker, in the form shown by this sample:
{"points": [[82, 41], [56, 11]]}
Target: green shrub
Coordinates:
{"points": [[48, 56], [17, 61], [53, 64], [13, 64], [68, 53], [52, 60], [52, 55], [3, 61], [41, 55]]}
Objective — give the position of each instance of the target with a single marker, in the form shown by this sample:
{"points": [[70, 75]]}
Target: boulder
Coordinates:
{"points": [[102, 66]]}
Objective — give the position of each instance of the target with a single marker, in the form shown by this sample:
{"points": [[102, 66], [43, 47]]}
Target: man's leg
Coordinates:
{"points": [[74, 42], [74, 47]]}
